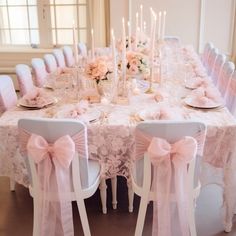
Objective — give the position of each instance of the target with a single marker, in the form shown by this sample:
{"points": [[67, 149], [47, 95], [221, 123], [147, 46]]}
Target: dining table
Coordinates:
{"points": [[111, 125]]}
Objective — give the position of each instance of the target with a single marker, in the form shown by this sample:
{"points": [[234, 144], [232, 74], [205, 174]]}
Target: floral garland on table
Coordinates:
{"points": [[99, 69]]}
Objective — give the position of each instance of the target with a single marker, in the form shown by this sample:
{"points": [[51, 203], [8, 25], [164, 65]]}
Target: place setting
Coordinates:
{"points": [[36, 99]]}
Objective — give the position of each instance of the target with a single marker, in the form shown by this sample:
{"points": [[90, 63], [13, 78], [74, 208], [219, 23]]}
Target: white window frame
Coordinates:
{"points": [[45, 26]]}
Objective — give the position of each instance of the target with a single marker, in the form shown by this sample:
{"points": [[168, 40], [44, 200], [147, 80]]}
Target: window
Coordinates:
{"points": [[45, 23], [19, 22]]}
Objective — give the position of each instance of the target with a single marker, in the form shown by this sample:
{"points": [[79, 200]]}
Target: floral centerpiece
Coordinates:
{"points": [[137, 63], [99, 69]]}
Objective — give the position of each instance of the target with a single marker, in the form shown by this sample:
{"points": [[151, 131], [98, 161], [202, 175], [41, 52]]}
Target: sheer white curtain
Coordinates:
{"points": [[99, 21], [234, 44]]}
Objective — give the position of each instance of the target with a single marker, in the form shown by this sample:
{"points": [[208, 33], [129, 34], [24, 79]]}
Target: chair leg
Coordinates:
{"points": [[114, 192], [141, 217], [12, 185], [191, 217], [36, 230], [131, 197], [83, 217], [103, 195]]}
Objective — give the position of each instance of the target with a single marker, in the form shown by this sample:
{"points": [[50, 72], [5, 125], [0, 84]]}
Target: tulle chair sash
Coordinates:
{"points": [[170, 162]]}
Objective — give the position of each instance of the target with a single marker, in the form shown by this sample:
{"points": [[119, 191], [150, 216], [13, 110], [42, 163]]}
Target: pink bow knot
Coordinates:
{"points": [[159, 149], [63, 149]]}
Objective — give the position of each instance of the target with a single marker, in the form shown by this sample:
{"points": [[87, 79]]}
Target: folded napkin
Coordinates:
{"points": [[166, 113], [78, 110], [206, 96], [196, 82], [35, 97], [160, 95]]}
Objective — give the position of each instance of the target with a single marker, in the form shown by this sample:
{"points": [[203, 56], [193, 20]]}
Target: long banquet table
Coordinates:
{"points": [[111, 138]]}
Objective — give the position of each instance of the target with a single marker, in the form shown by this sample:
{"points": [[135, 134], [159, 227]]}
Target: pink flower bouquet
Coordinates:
{"points": [[98, 69], [137, 63]]}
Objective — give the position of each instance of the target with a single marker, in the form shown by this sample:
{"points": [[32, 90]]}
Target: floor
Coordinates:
{"points": [[16, 213]]}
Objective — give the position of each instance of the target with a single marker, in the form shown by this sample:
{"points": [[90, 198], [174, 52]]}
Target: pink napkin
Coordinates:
{"points": [[35, 97], [166, 113], [206, 96], [160, 95], [198, 82], [79, 109]]}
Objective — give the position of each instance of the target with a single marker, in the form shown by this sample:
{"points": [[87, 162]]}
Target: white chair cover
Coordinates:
{"points": [[220, 60], [24, 78], [8, 97], [39, 71], [69, 57], [50, 62], [225, 77], [211, 60]]}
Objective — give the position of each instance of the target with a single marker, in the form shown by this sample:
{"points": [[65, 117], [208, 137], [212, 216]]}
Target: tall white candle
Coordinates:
{"points": [[163, 26], [159, 25], [136, 32], [153, 40], [141, 19], [144, 27], [129, 36], [75, 41], [151, 20], [123, 49], [113, 48], [92, 40]]}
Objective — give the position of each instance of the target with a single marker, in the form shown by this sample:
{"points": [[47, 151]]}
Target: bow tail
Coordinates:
{"points": [[47, 216], [63, 207], [182, 195], [161, 206]]}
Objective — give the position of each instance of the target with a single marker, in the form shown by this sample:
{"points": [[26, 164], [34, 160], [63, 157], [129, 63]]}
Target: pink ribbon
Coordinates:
{"points": [[53, 162], [166, 158]]}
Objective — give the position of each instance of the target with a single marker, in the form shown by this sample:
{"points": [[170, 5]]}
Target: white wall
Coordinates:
{"points": [[194, 21]]}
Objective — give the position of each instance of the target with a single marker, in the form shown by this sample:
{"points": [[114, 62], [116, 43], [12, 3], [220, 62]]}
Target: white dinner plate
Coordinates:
{"points": [[50, 101], [191, 102], [89, 116]]}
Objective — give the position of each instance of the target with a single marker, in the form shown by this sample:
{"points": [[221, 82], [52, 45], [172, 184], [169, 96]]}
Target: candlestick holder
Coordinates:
{"points": [[150, 88]]}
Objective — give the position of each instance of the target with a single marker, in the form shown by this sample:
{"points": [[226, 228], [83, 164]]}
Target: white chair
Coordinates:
{"points": [[230, 95], [58, 54], [206, 51], [39, 71], [213, 53], [8, 97], [220, 60], [142, 170], [69, 57], [82, 49], [84, 174], [225, 77], [51, 63], [24, 78]]}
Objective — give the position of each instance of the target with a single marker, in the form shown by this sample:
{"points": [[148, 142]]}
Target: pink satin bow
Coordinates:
{"points": [[163, 155], [56, 215], [63, 149]]}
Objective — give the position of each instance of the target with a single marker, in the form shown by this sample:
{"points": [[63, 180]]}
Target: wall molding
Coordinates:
{"points": [[202, 16]]}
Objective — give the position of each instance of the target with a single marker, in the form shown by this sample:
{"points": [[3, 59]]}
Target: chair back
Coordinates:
{"points": [[211, 60], [225, 77], [230, 95], [51, 130], [219, 62], [58, 54], [172, 132], [50, 62], [8, 97], [69, 57], [24, 78], [206, 52], [39, 71], [82, 49]]}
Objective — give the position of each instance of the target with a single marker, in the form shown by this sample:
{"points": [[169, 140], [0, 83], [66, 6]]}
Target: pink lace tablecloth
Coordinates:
{"points": [[111, 138]]}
